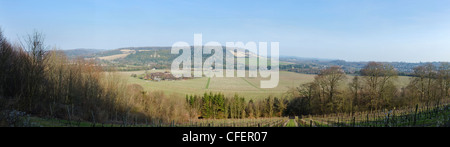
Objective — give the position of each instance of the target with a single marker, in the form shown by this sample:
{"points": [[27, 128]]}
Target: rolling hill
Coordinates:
{"points": [[150, 57], [141, 58], [73, 53]]}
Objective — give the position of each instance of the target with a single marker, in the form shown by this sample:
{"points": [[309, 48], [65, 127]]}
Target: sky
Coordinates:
{"points": [[352, 30]]}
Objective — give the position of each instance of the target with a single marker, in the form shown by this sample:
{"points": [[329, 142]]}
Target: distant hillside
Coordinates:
{"points": [[313, 66], [155, 57], [138, 58], [73, 53], [295, 59]]}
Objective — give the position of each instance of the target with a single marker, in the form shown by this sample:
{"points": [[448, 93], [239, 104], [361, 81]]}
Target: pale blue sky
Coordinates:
{"points": [[353, 30]]}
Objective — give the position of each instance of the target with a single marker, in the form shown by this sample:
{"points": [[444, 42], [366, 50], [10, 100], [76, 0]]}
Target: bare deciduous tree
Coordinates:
{"points": [[378, 78]]}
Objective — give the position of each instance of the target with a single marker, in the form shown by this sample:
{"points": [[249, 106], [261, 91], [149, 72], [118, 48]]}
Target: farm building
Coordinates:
{"points": [[158, 76]]}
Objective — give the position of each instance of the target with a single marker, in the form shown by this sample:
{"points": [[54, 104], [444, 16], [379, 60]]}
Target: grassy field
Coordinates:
{"points": [[291, 123], [248, 87], [114, 57]]}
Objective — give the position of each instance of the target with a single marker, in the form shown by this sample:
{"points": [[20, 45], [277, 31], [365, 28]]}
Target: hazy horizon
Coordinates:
{"points": [[351, 30]]}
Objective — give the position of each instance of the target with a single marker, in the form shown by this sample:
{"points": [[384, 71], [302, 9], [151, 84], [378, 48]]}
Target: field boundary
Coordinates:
{"points": [[207, 83], [252, 84]]}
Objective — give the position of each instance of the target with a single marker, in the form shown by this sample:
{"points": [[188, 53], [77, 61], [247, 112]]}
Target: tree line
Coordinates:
{"points": [[373, 89], [217, 106], [332, 92]]}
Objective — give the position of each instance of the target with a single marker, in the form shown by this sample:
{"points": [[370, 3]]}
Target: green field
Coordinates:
{"points": [[247, 87]]}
